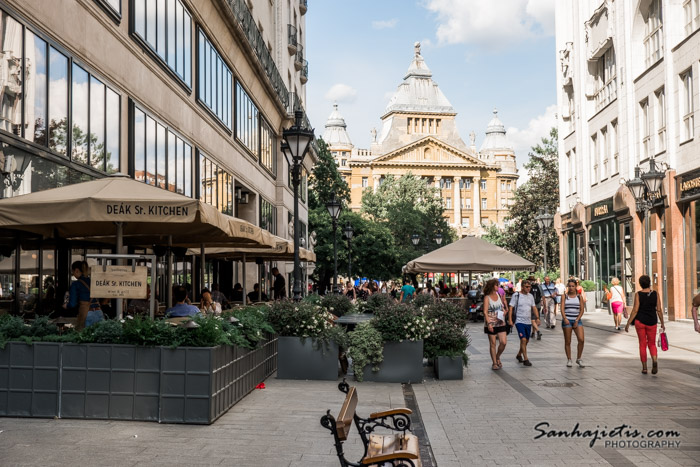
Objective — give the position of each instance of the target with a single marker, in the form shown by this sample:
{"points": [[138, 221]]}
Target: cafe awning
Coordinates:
{"points": [[469, 254], [283, 251]]}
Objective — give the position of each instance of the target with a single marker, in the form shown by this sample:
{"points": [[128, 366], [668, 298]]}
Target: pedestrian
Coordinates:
{"points": [[279, 286], [181, 307], [572, 308], [646, 313], [207, 306], [522, 307], [617, 301], [519, 285], [694, 311], [79, 294], [237, 294], [561, 289], [495, 322], [256, 295], [579, 290], [549, 304], [350, 291], [537, 295], [407, 291], [218, 296]]}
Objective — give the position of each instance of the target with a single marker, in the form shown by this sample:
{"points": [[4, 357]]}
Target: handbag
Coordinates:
{"points": [[663, 341], [608, 296]]}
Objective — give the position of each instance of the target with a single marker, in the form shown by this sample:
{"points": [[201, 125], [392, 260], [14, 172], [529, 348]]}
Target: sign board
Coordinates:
{"points": [[689, 186], [118, 282]]}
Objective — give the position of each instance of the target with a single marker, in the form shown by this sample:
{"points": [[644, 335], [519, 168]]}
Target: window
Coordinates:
{"points": [[509, 186], [268, 216], [160, 157], [653, 40], [503, 186], [687, 105], [594, 159], [303, 185], [268, 145], [569, 162], [246, 120], [483, 203], [504, 203], [466, 203], [604, 153], [606, 79], [38, 108], [365, 182], [214, 81], [485, 221], [483, 184], [660, 119], [448, 183], [614, 147], [573, 173], [166, 27], [465, 222], [644, 129], [344, 162], [465, 183], [691, 13], [448, 203], [216, 185]]}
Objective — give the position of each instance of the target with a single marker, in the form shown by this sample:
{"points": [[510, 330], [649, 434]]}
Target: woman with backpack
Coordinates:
{"points": [[572, 308], [647, 308], [617, 301], [495, 322]]}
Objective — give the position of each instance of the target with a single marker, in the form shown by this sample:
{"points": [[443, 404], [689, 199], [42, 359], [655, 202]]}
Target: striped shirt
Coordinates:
{"points": [[572, 307]]}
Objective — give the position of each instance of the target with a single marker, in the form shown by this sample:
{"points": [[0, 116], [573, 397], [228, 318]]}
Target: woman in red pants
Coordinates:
{"points": [[647, 307]]}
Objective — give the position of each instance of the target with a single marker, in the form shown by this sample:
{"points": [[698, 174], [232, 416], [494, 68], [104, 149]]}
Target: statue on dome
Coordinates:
{"points": [[416, 47]]}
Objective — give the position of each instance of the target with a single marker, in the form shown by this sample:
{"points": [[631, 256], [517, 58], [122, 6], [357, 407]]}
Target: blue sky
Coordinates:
{"points": [[482, 53]]}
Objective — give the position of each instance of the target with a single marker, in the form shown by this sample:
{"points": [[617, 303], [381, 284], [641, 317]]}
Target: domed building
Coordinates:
{"points": [[419, 135]]}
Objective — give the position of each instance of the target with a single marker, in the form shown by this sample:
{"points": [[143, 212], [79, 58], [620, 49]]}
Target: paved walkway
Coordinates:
{"points": [[486, 419]]}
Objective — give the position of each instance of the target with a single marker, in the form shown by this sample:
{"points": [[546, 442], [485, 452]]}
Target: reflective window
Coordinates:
{"points": [[160, 157], [79, 107], [115, 5], [216, 186], [268, 216], [246, 120], [11, 37], [268, 157], [214, 81], [58, 101], [166, 26], [35, 90], [112, 123]]}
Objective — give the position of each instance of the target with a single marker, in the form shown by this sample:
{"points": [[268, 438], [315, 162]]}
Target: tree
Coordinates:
{"points": [[522, 235], [407, 205]]}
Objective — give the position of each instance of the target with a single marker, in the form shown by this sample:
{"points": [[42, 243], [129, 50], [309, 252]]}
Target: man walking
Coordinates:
{"points": [[537, 295], [549, 303], [279, 286], [522, 309]]}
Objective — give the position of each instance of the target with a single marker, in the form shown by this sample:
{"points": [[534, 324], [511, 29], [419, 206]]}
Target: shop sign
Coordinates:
{"points": [[118, 282], [600, 210], [689, 185]]}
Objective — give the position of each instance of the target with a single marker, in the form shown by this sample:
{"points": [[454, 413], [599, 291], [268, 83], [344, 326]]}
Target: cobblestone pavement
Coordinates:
{"points": [[486, 419]]}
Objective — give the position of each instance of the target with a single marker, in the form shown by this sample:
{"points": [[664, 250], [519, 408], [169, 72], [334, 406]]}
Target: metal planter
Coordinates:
{"points": [[299, 358], [403, 363], [449, 368]]}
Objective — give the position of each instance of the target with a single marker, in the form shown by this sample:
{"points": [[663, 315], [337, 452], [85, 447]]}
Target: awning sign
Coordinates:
{"points": [[118, 282]]}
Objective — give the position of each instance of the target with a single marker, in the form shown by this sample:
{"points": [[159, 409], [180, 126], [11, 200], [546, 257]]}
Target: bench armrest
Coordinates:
{"points": [[396, 455], [387, 413]]}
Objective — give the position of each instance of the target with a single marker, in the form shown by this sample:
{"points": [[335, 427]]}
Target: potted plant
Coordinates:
{"points": [[403, 328], [447, 343], [589, 288], [365, 349], [308, 343]]}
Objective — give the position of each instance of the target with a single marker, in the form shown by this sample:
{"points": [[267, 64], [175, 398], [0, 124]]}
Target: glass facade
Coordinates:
{"points": [[166, 27], [160, 157], [216, 185], [268, 216], [214, 82], [246, 120], [268, 154], [692, 250], [604, 252]]}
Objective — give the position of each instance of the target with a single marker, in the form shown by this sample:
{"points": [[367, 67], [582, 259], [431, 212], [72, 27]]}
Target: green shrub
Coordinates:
{"points": [[588, 286], [423, 299], [365, 348], [375, 302], [401, 322], [338, 304], [301, 319]]}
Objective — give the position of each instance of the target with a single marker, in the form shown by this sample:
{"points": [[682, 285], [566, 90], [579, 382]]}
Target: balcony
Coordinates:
{"points": [[606, 94], [303, 6], [299, 59], [291, 39], [304, 72], [250, 30]]}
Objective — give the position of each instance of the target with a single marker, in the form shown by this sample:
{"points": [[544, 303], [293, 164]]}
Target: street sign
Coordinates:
{"points": [[118, 282]]}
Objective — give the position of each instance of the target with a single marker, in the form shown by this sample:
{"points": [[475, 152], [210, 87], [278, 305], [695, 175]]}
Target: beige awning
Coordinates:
{"points": [[148, 215], [469, 254], [282, 251]]}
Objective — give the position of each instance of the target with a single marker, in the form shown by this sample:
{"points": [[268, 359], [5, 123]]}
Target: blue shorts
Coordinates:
{"points": [[570, 325], [524, 330]]}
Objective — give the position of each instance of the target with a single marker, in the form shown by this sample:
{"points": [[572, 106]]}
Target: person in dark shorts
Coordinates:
{"points": [[495, 322], [522, 307]]}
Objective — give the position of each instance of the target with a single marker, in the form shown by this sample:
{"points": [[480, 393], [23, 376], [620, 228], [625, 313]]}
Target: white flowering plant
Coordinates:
{"points": [[402, 322], [305, 320]]}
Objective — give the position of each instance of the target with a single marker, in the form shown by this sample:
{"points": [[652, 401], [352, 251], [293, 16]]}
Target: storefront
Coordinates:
{"points": [[603, 244], [689, 203]]}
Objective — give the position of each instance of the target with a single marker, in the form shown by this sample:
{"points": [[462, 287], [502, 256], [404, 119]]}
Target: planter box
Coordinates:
{"points": [[590, 302], [449, 368], [126, 382], [403, 363], [299, 358]]}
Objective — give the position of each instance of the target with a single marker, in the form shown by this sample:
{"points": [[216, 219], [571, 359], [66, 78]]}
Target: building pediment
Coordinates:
{"points": [[429, 151]]}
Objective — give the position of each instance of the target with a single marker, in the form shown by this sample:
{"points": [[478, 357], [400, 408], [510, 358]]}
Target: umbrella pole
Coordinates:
{"points": [[120, 247], [244, 286], [202, 261], [169, 277]]}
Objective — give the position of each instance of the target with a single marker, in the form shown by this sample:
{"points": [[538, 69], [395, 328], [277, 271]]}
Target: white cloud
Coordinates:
{"points": [[340, 92], [523, 140], [491, 25], [385, 24]]}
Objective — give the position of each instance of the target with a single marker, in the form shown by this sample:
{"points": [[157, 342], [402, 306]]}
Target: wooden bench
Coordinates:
{"points": [[398, 449]]}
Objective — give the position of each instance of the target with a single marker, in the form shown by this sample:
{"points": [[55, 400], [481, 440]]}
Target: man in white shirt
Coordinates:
{"points": [[549, 303], [522, 308]]}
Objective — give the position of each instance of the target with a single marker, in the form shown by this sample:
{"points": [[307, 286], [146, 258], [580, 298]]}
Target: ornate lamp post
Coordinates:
{"points": [[438, 239], [295, 145], [415, 239], [334, 208], [646, 188], [544, 222], [349, 232]]}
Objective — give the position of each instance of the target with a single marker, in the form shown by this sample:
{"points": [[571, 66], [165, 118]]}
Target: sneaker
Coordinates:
{"points": [[527, 363], [519, 358], [579, 362], [539, 335], [569, 364]]}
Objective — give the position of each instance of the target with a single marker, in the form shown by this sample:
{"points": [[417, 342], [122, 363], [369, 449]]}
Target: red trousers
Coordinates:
{"points": [[647, 338]]}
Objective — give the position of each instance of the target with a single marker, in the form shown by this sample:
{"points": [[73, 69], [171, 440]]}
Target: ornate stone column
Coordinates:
{"points": [[457, 203], [376, 182]]}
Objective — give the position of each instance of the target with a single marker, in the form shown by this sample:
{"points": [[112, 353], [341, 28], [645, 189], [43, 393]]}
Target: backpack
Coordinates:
{"points": [[536, 294]]}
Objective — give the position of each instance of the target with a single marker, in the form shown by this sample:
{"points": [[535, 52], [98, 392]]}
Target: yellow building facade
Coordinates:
{"points": [[419, 136]]}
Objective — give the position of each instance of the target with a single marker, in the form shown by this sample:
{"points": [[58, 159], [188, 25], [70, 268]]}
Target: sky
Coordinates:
{"points": [[484, 54]]}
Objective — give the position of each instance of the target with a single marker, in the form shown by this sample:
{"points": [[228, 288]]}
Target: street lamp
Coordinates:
{"points": [[646, 188], [544, 222], [334, 208], [438, 239], [295, 144], [415, 238], [349, 232]]}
